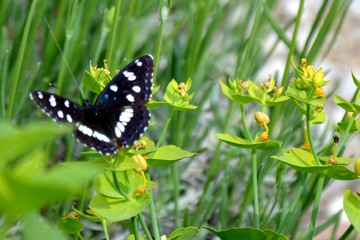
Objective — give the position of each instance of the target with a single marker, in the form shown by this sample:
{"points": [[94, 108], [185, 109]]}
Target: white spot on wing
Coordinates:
{"points": [[120, 126], [100, 136], [131, 78], [136, 89], [129, 75], [40, 95], [139, 63], [60, 114], [130, 98], [117, 132], [85, 130], [69, 118], [52, 100], [67, 103], [114, 88]]}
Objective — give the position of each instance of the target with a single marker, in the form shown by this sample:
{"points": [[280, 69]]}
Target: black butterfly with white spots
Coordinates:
{"points": [[117, 118]]}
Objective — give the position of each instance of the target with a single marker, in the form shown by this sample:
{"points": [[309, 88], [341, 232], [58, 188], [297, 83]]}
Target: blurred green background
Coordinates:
{"points": [[47, 45]]}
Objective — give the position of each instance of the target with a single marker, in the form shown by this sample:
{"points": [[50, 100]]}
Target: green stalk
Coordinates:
{"points": [[153, 212], [103, 222], [176, 192], [293, 45], [163, 16], [213, 169], [116, 182], [243, 119], [315, 209], [19, 62], [308, 125], [163, 133], [135, 228], [255, 186], [144, 227]]}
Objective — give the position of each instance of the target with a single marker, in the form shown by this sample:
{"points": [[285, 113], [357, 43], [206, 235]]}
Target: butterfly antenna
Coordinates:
{"points": [[65, 60]]}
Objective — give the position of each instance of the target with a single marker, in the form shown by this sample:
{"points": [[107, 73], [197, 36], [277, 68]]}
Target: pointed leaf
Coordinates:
{"points": [[347, 106], [119, 209], [167, 154], [243, 143], [187, 233], [352, 208], [304, 161], [246, 233]]}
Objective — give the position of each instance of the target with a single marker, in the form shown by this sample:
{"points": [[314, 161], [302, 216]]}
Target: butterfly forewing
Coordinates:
{"points": [[58, 108], [119, 115], [131, 86]]}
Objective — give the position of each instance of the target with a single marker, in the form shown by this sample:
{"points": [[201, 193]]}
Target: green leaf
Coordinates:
{"points": [[302, 96], [90, 83], [26, 191], [16, 141], [173, 98], [132, 237], [232, 95], [70, 226], [304, 161], [168, 154], [35, 227], [276, 101], [243, 143], [119, 209], [352, 208], [347, 106], [111, 204], [354, 128], [246, 233], [339, 160], [356, 81], [187, 233]]}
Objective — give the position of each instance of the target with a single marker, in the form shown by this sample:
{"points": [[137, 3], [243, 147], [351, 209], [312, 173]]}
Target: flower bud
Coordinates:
{"points": [[264, 136], [318, 78], [261, 118], [140, 189], [357, 167], [139, 159]]}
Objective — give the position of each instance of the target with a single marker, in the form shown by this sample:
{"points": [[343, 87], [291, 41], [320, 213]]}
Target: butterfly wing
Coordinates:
{"points": [[58, 108], [119, 115], [131, 86]]}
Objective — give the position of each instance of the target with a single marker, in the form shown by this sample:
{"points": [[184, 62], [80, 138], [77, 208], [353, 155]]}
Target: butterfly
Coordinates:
{"points": [[117, 118]]}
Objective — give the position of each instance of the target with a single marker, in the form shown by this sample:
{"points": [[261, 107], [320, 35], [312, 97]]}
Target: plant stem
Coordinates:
{"points": [[116, 182], [308, 125], [314, 213], [135, 227], [162, 136], [255, 186], [153, 212], [105, 229], [144, 227], [243, 119]]}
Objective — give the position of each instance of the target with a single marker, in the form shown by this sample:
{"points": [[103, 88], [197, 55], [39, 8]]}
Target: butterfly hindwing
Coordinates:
{"points": [[131, 86], [130, 124]]}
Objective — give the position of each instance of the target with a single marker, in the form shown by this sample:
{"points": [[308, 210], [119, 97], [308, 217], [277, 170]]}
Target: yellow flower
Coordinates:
{"points": [[319, 92]]}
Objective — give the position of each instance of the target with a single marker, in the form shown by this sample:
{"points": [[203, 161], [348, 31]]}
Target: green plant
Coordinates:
{"points": [[260, 187]]}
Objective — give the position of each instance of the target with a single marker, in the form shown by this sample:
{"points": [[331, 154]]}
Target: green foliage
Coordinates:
{"points": [[224, 181]]}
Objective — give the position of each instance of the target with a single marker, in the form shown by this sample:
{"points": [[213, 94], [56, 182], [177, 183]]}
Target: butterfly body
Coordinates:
{"points": [[117, 118]]}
